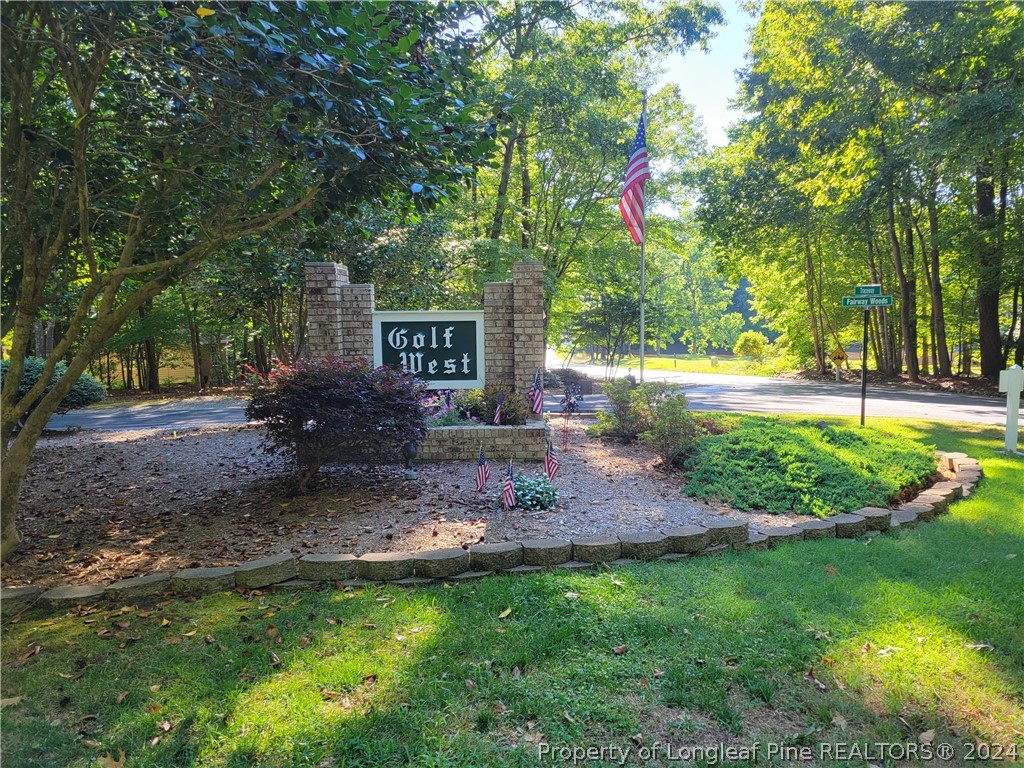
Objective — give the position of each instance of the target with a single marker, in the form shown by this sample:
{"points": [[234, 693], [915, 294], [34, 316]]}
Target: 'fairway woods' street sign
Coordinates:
{"points": [[866, 302]]}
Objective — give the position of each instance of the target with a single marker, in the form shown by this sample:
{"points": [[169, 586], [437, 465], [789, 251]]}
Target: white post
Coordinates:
{"points": [[1011, 381]]}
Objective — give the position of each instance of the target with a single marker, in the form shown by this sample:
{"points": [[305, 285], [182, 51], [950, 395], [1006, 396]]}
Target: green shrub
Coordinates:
{"points": [[86, 391], [632, 408], [320, 411], [674, 431], [764, 464], [751, 344], [533, 492], [481, 403]]}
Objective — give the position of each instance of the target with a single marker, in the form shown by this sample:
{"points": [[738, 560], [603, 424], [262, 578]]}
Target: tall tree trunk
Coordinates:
{"points": [[941, 345], [908, 320], [502, 200], [809, 281], [989, 259], [526, 237], [152, 363], [886, 356], [194, 341]]}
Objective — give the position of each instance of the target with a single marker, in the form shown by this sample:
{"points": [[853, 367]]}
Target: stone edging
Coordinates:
{"points": [[530, 556]]}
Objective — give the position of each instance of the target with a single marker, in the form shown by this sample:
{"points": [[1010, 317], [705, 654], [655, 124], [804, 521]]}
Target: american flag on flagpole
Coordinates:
{"points": [[536, 393], [483, 472], [550, 462], [508, 491], [497, 409], [631, 202]]}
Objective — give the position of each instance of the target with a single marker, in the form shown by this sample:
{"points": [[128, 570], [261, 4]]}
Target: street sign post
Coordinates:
{"points": [[865, 297]]}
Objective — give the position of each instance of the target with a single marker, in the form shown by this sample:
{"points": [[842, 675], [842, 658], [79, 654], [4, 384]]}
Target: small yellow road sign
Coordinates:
{"points": [[838, 356]]}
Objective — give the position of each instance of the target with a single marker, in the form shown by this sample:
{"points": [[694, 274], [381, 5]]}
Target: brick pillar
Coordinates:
{"points": [[357, 305], [324, 280], [528, 325], [499, 360]]}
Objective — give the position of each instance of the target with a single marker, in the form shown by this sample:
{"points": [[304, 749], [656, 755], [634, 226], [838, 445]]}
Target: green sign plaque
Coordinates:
{"points": [[445, 349], [867, 290]]}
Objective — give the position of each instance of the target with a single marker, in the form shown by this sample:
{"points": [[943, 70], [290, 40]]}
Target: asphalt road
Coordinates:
{"points": [[706, 392]]}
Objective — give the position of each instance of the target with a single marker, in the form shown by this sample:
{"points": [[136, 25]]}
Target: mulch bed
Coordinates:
{"points": [[100, 506]]}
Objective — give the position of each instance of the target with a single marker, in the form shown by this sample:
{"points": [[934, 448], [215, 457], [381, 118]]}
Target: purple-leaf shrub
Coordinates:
{"points": [[323, 411]]}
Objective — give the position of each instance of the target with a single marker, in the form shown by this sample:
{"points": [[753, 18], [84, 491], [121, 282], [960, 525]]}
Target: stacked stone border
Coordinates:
{"points": [[727, 533]]}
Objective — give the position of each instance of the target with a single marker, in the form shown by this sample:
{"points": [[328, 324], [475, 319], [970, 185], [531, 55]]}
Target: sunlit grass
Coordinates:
{"points": [[897, 629]]}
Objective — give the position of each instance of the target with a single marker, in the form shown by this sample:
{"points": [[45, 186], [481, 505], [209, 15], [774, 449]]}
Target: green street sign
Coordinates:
{"points": [[867, 290], [866, 302]]}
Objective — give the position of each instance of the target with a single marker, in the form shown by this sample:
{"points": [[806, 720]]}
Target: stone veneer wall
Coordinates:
{"points": [[499, 336], [341, 323], [357, 305], [528, 325], [323, 313], [526, 442]]}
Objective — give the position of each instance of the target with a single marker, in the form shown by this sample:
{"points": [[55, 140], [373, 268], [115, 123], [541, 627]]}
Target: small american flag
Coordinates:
{"points": [[550, 462], [631, 202], [483, 472], [497, 410], [536, 393], [508, 491]]}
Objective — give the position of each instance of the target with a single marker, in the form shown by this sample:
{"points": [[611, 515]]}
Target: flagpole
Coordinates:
{"points": [[643, 256]]}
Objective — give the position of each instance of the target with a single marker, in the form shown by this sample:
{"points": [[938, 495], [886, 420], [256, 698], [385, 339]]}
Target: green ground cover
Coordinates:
{"points": [[808, 465], [909, 637]]}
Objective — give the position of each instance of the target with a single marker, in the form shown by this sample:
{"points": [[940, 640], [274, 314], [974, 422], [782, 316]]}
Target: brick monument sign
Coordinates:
{"points": [[450, 350]]}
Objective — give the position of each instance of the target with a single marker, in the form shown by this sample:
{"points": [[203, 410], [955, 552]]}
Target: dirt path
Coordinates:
{"points": [[104, 505]]}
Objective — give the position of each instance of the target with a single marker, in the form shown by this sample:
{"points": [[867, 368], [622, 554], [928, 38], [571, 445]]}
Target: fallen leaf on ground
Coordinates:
{"points": [[121, 696], [154, 688], [166, 726], [505, 614], [568, 717], [107, 761], [33, 649], [618, 650], [839, 720], [369, 680], [809, 677], [927, 737], [275, 660], [831, 571], [516, 673], [572, 595], [4, 703], [980, 647], [470, 684]]}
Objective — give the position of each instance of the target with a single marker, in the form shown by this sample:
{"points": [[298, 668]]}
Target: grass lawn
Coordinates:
{"points": [[737, 366], [915, 636]]}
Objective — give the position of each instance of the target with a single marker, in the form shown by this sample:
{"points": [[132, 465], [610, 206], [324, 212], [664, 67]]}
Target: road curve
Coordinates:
{"points": [[705, 391]]}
